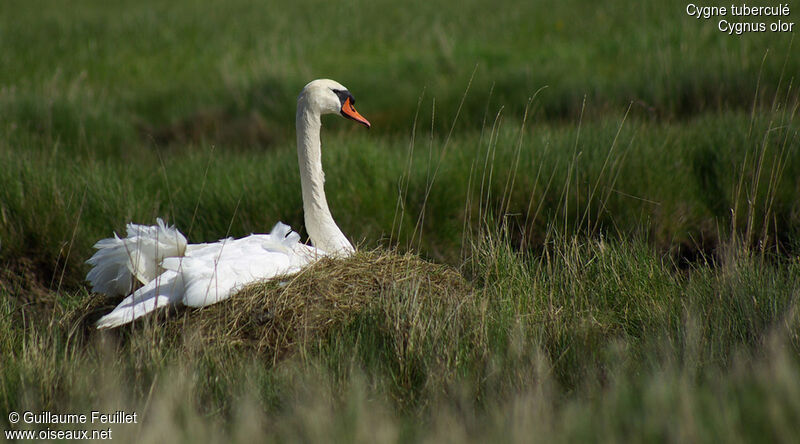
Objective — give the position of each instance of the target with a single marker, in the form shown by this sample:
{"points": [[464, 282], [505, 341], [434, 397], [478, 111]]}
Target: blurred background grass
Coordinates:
{"points": [[110, 72], [158, 101], [618, 180]]}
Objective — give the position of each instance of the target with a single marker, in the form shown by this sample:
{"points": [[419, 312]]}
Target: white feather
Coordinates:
{"points": [[164, 290], [117, 261]]}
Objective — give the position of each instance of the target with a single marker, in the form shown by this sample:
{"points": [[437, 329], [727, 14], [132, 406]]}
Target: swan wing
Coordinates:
{"points": [[208, 273], [119, 260], [212, 272], [164, 290]]}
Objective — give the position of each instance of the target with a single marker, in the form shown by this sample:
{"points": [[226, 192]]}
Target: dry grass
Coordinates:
{"points": [[279, 316]]}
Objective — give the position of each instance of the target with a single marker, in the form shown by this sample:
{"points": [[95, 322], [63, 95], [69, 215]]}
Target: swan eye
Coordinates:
{"points": [[343, 96]]}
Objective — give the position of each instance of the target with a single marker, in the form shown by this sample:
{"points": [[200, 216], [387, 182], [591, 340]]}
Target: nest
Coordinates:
{"points": [[279, 315]]}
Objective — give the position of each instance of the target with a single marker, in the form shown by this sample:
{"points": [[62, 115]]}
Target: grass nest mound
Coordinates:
{"points": [[282, 314]]}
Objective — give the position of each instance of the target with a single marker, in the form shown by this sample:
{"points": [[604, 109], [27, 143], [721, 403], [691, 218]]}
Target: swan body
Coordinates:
{"points": [[172, 271]]}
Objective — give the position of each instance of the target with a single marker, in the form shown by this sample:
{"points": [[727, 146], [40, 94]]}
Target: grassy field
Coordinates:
{"points": [[576, 221]]}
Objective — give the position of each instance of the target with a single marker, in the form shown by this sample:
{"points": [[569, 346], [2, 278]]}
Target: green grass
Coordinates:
{"points": [[588, 340], [617, 183]]}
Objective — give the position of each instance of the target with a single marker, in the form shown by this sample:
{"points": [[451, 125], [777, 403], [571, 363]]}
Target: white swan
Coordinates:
{"points": [[173, 272]]}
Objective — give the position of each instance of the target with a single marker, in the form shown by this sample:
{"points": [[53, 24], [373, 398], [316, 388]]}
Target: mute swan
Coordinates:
{"points": [[174, 272]]}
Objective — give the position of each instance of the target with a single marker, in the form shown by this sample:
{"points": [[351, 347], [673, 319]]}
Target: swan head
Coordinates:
{"points": [[330, 97]]}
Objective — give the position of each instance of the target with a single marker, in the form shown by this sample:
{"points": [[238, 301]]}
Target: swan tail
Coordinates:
{"points": [[164, 290], [120, 262]]}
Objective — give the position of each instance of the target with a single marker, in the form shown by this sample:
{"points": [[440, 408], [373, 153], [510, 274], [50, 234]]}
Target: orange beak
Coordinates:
{"points": [[349, 111]]}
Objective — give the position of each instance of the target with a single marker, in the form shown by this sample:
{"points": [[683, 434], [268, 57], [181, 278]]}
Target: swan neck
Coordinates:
{"points": [[321, 227]]}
